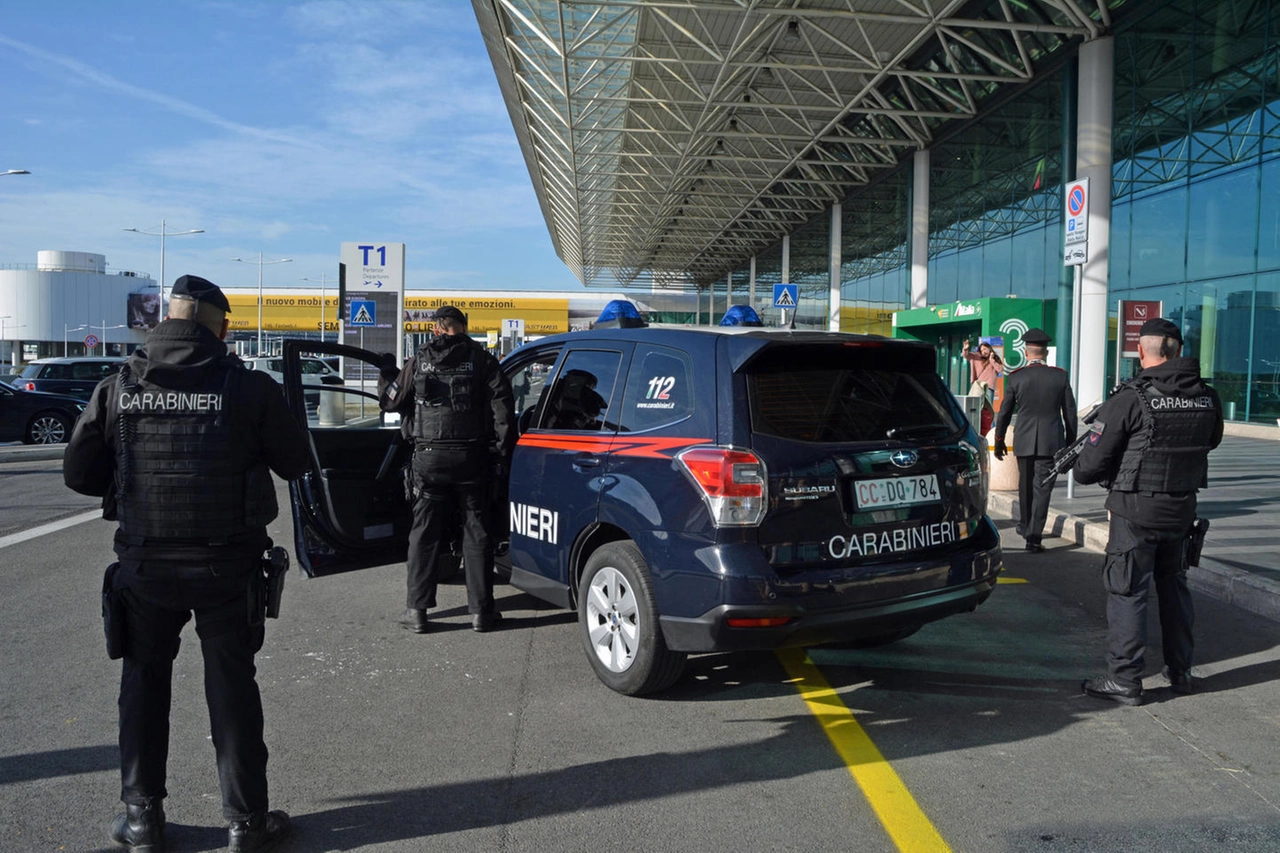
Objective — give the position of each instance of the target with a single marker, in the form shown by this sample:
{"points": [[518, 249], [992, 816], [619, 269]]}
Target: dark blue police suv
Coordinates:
{"points": [[696, 490]]}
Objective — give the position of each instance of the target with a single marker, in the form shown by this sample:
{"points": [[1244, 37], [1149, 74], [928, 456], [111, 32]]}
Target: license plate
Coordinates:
{"points": [[889, 492]]}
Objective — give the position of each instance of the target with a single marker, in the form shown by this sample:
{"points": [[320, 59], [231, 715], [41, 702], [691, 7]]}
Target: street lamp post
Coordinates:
{"points": [[11, 326], [103, 326], [323, 279], [66, 330], [162, 233], [260, 262]]}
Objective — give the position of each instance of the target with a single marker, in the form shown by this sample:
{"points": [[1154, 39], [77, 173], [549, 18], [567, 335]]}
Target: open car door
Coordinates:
{"points": [[349, 509]]}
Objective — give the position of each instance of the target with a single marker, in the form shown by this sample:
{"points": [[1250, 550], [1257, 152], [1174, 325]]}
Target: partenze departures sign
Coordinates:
{"points": [[374, 298]]}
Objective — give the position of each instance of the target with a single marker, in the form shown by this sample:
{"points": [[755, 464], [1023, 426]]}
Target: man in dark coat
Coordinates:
{"points": [[1041, 397], [181, 444], [1149, 445], [459, 412]]}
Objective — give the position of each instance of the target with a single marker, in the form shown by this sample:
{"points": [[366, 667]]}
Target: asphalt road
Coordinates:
{"points": [[383, 740]]}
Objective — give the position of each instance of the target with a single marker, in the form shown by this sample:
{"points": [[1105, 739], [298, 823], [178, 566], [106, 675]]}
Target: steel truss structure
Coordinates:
{"points": [[670, 140]]}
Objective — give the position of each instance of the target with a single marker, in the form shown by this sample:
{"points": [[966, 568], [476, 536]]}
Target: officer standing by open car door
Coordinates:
{"points": [[460, 415], [1149, 444], [181, 444]]}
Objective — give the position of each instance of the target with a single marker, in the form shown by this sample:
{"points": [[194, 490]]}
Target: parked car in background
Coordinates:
{"points": [[315, 371], [34, 417], [76, 376]]}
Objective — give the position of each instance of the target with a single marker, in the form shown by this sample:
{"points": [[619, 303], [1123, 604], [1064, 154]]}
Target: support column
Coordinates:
{"points": [[919, 237], [1067, 275], [833, 312], [786, 258], [751, 285], [728, 291], [1093, 161]]}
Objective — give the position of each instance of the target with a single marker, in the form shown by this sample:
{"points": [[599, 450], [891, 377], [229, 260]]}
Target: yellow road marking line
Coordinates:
{"points": [[889, 798], [1003, 579]]}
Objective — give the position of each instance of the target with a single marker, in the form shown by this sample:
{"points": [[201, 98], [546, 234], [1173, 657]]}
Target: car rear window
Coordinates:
{"points": [[835, 393]]}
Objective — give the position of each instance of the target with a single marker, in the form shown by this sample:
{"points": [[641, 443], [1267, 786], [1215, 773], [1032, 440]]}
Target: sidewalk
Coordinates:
{"points": [[1241, 560]]}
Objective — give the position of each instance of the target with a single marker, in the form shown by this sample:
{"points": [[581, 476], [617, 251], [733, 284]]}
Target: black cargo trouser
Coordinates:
{"points": [[449, 479], [159, 600], [1135, 555], [1033, 498]]}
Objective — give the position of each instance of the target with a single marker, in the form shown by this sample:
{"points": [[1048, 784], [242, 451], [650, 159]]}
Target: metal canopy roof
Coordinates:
{"points": [[673, 139]]}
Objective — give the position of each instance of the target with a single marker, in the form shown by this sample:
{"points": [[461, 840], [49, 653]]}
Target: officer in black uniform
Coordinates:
{"points": [[1149, 445], [1041, 397], [460, 413], [180, 444]]}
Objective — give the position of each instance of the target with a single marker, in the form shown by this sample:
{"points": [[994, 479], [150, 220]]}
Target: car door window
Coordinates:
{"points": [[528, 378], [659, 390], [583, 391]]}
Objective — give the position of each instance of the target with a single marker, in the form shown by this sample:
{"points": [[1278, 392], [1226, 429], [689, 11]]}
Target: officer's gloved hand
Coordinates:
{"points": [[1000, 449], [387, 366]]}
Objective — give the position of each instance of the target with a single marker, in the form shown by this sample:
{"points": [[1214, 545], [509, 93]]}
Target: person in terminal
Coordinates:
{"points": [[181, 444], [458, 409], [985, 366], [1041, 397], [1149, 446]]}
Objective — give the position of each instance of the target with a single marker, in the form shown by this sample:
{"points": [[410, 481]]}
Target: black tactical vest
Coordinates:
{"points": [[1170, 454], [448, 395], [181, 471]]}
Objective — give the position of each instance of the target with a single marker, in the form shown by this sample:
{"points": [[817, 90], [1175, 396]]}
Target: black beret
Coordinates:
{"points": [[1036, 337], [448, 312], [1161, 327], [201, 290]]}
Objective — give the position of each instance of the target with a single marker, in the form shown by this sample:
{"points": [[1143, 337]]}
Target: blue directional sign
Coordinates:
{"points": [[364, 312], [786, 295]]}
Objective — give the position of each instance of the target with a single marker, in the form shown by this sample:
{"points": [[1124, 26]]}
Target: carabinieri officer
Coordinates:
{"points": [[181, 444]]}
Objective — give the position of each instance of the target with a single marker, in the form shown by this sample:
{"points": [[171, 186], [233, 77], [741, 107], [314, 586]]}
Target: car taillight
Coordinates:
{"points": [[733, 483], [30, 386]]}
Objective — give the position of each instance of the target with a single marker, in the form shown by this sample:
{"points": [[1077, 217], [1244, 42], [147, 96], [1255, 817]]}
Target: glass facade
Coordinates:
{"points": [[1195, 202], [1196, 178]]}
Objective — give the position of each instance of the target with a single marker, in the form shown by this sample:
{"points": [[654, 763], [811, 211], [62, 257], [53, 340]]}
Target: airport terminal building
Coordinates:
{"points": [[905, 167]]}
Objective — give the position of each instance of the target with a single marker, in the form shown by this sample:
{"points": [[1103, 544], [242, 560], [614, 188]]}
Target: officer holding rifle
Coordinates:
{"points": [[1149, 444], [181, 444]]}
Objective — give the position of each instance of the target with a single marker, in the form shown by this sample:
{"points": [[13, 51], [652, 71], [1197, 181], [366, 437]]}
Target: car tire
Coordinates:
{"points": [[47, 428], [618, 620]]}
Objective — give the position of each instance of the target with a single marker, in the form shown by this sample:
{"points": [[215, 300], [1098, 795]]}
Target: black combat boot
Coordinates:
{"points": [[262, 831], [140, 827]]}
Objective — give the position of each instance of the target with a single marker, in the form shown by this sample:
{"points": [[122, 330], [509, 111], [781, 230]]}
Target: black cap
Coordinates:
{"points": [[1036, 337], [448, 312], [201, 290], [1162, 327]]}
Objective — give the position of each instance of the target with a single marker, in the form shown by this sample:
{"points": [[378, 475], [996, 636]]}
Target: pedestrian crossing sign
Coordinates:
{"points": [[786, 295], [363, 312]]}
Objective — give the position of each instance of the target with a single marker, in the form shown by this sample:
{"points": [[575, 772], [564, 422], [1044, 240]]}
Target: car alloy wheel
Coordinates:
{"points": [[618, 618], [47, 429]]}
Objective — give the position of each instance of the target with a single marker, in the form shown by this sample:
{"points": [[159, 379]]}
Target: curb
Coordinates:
{"points": [[32, 453], [1248, 591]]}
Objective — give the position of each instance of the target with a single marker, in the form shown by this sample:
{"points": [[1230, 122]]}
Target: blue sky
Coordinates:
{"points": [[285, 128]]}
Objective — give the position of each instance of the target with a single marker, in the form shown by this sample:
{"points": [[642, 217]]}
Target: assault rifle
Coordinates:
{"points": [[1065, 459]]}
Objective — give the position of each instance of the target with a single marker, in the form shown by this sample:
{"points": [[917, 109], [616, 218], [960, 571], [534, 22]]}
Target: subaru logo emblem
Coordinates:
{"points": [[904, 458]]}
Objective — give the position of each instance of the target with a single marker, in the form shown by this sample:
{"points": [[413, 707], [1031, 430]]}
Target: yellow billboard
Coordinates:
{"points": [[541, 316], [301, 313], [867, 320]]}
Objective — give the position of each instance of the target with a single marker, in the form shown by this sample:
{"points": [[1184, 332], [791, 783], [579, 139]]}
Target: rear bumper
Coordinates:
{"points": [[812, 620], [711, 632]]}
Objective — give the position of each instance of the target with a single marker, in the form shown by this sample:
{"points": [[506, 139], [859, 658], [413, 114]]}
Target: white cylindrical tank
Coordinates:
{"points": [[53, 261]]}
